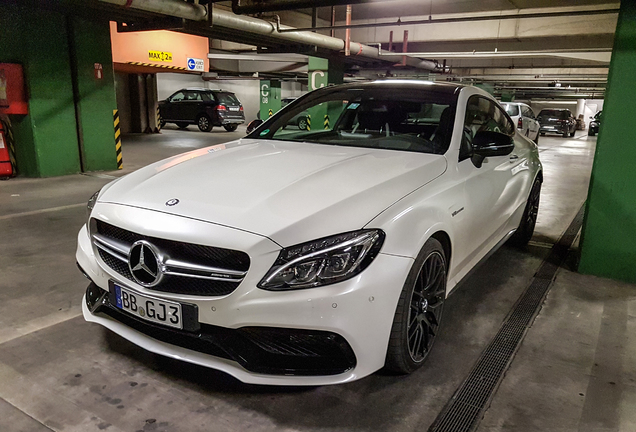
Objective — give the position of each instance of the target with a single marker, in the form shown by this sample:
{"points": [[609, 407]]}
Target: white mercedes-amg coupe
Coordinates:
{"points": [[309, 257]]}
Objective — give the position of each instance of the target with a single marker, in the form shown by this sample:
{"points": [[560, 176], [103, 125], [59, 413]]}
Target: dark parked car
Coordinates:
{"points": [[595, 124], [204, 107], [299, 120], [559, 121]]}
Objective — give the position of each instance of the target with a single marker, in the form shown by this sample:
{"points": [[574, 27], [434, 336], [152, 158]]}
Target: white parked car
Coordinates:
{"points": [[309, 257], [523, 116]]}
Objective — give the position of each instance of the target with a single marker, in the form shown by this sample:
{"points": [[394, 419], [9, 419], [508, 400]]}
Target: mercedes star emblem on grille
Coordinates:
{"points": [[144, 263], [172, 202]]}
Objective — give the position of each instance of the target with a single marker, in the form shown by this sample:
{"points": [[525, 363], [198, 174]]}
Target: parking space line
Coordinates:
{"points": [[46, 210]]}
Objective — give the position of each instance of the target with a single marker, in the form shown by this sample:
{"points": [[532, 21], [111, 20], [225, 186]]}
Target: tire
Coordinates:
{"points": [[302, 123], [204, 123], [522, 236], [591, 133], [230, 128], [566, 134], [419, 311], [572, 133], [182, 125]]}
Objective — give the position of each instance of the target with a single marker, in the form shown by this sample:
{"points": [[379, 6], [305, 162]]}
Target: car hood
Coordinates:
{"points": [[289, 192]]}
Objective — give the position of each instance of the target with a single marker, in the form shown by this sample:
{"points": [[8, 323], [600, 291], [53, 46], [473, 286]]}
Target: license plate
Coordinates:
{"points": [[149, 308], [234, 108]]}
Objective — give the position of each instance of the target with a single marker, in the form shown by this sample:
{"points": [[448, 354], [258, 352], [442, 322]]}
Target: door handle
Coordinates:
{"points": [[513, 158]]}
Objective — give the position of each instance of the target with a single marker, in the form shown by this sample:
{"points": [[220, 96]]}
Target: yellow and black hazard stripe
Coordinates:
{"points": [[308, 122], [120, 160], [326, 123], [158, 66], [270, 112], [8, 132], [158, 120]]}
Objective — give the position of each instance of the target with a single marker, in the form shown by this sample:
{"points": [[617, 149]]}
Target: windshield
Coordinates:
{"points": [[227, 99], [554, 114], [512, 110], [408, 119]]}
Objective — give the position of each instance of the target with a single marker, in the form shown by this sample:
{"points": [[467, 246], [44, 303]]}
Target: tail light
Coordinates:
{"points": [[241, 108], [520, 123], [221, 108]]}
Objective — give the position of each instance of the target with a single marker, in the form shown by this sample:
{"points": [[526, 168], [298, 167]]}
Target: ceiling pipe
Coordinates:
{"points": [[461, 19], [249, 7], [225, 19]]}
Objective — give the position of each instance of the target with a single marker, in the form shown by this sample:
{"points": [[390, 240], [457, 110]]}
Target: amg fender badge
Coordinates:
{"points": [[172, 202]]}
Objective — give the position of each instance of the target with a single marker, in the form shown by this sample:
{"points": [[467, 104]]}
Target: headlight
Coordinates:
{"points": [[90, 205], [324, 261]]}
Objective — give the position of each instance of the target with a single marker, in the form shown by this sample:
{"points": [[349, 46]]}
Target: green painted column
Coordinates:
{"points": [[608, 242], [70, 108], [270, 98], [91, 50], [318, 77]]}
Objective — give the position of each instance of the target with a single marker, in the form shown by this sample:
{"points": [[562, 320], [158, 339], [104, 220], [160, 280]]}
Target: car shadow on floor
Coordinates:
{"points": [[382, 401]]}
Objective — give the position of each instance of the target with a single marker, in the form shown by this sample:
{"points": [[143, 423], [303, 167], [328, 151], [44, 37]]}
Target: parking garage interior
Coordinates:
{"points": [[80, 90]]}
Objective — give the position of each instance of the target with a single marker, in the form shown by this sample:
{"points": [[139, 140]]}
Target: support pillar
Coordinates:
{"points": [[608, 241], [270, 98]]}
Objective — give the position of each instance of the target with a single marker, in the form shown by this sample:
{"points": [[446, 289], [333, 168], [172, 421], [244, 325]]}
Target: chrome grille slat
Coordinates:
{"points": [[182, 276], [114, 248]]}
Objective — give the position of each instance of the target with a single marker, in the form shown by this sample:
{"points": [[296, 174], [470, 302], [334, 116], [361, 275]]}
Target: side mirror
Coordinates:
{"points": [[253, 125], [488, 144]]}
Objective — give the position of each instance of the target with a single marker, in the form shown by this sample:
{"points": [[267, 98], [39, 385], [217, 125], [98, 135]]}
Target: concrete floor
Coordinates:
{"points": [[575, 370]]}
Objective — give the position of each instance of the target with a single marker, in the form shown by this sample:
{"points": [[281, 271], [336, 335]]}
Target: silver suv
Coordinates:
{"points": [[524, 119]]}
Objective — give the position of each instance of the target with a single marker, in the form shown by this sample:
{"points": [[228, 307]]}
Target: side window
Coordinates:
{"points": [[177, 97], [504, 125], [527, 112], [192, 96], [482, 115]]}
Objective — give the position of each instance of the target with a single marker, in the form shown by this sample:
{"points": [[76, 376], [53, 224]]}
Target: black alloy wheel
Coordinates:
{"points": [[419, 312], [204, 123], [230, 127], [522, 236], [182, 125]]}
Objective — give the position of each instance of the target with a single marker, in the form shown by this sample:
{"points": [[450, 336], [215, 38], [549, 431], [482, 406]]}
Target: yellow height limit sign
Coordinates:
{"points": [[161, 56]]}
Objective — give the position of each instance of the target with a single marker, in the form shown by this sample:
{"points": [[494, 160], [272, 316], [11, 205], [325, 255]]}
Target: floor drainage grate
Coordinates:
{"points": [[465, 409]]}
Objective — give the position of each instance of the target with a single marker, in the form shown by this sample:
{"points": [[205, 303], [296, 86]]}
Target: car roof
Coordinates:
{"points": [[204, 89]]}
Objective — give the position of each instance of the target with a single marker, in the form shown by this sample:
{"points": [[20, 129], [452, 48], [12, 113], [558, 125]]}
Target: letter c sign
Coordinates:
{"points": [[314, 74]]}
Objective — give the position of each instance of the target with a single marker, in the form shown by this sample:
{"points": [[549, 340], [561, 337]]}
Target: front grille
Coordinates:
{"points": [[266, 350], [192, 254]]}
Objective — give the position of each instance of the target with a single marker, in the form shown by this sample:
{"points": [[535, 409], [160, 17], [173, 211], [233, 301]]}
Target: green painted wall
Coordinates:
{"points": [[608, 243], [96, 96], [47, 138]]}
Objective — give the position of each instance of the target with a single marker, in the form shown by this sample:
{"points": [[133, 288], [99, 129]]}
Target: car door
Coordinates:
{"points": [[491, 194], [191, 105], [173, 105]]}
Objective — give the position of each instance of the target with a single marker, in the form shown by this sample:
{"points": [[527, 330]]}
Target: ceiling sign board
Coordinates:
{"points": [[195, 64], [160, 56]]}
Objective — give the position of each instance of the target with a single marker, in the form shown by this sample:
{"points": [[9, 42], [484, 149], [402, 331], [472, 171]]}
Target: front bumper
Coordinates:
{"points": [[318, 336]]}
